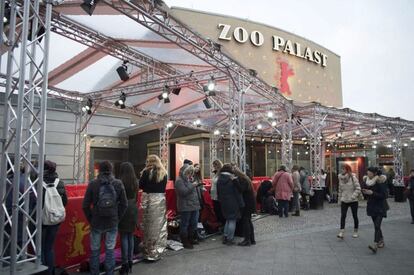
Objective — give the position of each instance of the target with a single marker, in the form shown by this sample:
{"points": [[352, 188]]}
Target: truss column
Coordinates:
{"points": [[315, 152], [286, 149], [242, 124], [234, 124], [24, 128], [398, 161], [79, 153], [164, 145], [213, 150]]}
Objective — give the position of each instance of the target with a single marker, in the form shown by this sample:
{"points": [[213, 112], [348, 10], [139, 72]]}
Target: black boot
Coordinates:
{"points": [[129, 266], [124, 269], [186, 243], [297, 213], [192, 237], [244, 243]]}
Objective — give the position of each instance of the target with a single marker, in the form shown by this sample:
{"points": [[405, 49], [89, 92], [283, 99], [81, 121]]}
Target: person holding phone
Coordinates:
{"points": [[375, 189]]}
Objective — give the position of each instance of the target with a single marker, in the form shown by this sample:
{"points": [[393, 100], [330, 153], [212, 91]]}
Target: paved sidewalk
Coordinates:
{"points": [[301, 245]]}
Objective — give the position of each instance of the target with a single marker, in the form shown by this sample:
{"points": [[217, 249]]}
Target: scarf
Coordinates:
{"points": [[371, 182]]}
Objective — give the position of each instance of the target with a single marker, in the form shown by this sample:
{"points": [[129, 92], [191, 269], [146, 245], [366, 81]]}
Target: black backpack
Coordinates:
{"points": [[107, 205]]}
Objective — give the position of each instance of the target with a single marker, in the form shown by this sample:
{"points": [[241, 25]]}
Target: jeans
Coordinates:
{"points": [[248, 229], [296, 207], [110, 241], [48, 240], [377, 225], [344, 210], [127, 247], [283, 208], [411, 201], [229, 229], [189, 221]]}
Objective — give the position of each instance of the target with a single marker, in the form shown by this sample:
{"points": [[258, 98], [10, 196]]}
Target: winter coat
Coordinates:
{"points": [[376, 204], [304, 182], [296, 181], [230, 199], [246, 189], [129, 220], [187, 196], [282, 185], [410, 189], [91, 199], [349, 188]]}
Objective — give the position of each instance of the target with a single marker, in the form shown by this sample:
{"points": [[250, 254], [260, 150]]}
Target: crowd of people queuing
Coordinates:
{"points": [[110, 205]]}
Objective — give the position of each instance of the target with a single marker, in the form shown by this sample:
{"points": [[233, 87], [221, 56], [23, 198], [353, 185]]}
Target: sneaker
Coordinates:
{"points": [[373, 248], [381, 244], [230, 242], [341, 234], [355, 235]]}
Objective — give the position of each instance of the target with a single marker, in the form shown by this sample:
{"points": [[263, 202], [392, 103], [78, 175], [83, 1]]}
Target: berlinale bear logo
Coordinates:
{"points": [[285, 72]]}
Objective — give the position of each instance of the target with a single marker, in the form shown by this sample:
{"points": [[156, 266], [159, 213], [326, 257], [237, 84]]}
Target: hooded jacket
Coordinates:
{"points": [[349, 188], [91, 199], [229, 196], [376, 205], [187, 196]]}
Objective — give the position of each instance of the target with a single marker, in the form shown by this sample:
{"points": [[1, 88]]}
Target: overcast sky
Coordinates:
{"points": [[374, 38]]}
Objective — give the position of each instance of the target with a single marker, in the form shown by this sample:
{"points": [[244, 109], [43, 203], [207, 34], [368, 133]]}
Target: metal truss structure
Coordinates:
{"points": [[235, 111], [164, 150], [397, 146], [214, 139], [23, 140]]}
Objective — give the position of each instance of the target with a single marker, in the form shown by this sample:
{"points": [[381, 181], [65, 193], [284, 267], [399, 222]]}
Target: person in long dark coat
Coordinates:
{"points": [[246, 189], [375, 188], [230, 200], [128, 222]]}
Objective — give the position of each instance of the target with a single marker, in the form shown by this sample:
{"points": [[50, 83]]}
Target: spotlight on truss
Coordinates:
{"points": [[176, 90], [89, 6], [123, 71], [121, 101], [207, 103]]}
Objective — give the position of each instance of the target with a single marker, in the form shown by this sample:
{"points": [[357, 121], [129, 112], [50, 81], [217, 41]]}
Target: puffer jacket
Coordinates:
{"points": [[376, 205], [349, 188], [187, 197]]}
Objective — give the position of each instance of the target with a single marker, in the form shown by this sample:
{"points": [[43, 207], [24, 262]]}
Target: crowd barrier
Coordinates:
{"points": [[72, 244]]}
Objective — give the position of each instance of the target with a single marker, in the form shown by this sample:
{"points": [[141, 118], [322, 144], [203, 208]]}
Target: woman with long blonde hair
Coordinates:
{"points": [[154, 223]]}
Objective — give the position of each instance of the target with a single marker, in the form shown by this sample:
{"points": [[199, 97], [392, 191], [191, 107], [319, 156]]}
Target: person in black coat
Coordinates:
{"points": [[410, 194], [246, 189], [375, 188], [230, 200]]}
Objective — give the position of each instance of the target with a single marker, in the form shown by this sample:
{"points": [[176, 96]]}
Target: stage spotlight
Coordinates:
{"points": [[208, 92], [167, 100], [169, 124], [357, 133], [121, 101], [374, 146], [405, 144], [197, 122], [164, 95], [176, 91], [394, 140], [232, 132], [303, 139], [123, 71], [374, 131], [274, 123], [270, 114], [259, 126], [88, 107], [207, 103], [216, 132], [7, 14], [89, 6], [211, 84], [375, 142]]}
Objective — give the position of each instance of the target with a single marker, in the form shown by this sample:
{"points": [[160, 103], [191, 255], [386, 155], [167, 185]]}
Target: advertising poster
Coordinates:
{"points": [[182, 152]]}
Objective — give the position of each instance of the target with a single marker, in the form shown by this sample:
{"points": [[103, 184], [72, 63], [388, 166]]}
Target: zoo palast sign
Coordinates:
{"points": [[241, 35]]}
